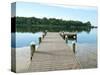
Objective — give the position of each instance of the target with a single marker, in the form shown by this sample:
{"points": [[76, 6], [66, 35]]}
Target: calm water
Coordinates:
{"points": [[24, 39], [85, 46]]}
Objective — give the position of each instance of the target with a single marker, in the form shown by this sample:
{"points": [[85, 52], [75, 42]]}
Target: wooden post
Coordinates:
{"points": [[40, 40], [74, 47], [76, 38], [66, 38], [32, 50]]}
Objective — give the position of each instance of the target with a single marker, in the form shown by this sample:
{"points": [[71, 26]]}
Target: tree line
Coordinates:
{"points": [[50, 24]]}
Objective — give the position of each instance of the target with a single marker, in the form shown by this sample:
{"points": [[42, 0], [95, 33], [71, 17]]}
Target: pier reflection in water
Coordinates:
{"points": [[85, 48], [72, 42], [70, 38]]}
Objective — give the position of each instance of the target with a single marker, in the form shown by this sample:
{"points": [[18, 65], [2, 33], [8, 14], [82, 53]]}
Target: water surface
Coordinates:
{"points": [[85, 45], [25, 39], [86, 48]]}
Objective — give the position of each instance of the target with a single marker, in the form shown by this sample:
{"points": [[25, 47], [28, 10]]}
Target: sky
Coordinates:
{"points": [[77, 13]]}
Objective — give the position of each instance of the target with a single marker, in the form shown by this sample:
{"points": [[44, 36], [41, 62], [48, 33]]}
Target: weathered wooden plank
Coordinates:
{"points": [[53, 54]]}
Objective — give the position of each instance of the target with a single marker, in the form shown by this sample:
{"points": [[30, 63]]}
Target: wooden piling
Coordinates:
{"points": [[32, 50], [73, 46], [40, 40], [66, 38]]}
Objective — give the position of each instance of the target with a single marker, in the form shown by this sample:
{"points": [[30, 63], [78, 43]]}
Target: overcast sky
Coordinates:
{"points": [[79, 13]]}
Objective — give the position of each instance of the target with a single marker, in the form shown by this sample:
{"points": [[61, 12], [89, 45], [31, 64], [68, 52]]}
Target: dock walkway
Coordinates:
{"points": [[53, 54]]}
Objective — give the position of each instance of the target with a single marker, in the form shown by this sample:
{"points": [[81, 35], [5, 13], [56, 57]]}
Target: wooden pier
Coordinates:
{"points": [[53, 54], [70, 35]]}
